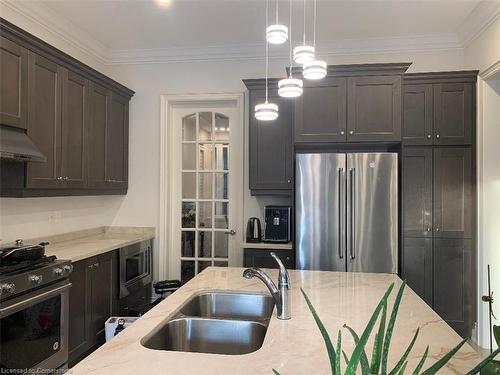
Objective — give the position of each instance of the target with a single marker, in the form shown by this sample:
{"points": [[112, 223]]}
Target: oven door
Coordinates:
{"points": [[135, 267], [34, 329]]}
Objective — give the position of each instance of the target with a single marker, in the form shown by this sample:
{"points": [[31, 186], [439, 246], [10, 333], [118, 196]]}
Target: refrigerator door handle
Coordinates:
{"points": [[341, 208], [352, 177]]}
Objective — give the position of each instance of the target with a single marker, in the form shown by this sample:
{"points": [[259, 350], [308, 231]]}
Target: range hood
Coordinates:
{"points": [[16, 145]]}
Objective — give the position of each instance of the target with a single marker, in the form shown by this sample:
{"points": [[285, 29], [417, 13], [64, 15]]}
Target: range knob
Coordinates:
{"points": [[58, 271], [7, 288], [35, 279], [68, 268]]}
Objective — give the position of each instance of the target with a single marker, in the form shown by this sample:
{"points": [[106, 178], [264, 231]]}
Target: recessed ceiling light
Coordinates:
{"points": [[164, 3]]}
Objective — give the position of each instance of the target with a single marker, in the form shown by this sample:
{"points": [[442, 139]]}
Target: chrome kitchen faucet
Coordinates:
{"points": [[280, 293]]}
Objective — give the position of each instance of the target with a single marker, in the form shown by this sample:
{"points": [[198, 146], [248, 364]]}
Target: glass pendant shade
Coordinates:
{"points": [[290, 87], [303, 54], [315, 69], [277, 34], [266, 111]]}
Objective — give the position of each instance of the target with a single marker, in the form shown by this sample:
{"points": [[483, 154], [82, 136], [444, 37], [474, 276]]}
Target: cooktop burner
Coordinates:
{"points": [[8, 268]]}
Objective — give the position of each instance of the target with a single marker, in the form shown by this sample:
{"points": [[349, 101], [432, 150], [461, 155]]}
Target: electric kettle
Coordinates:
{"points": [[254, 230]]}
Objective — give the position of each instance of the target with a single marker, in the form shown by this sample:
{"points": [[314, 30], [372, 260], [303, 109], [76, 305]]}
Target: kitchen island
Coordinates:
{"points": [[293, 346]]}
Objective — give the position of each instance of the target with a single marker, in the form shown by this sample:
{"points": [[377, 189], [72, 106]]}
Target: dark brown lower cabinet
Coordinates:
{"points": [[454, 283], [93, 299], [262, 258], [440, 271], [417, 266]]}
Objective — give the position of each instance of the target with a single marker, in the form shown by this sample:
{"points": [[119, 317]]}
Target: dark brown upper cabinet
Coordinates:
{"points": [[417, 115], [321, 112], [75, 93], [418, 267], [374, 108], [453, 192], [417, 192], [271, 145], [438, 108], [44, 125], [453, 283], [13, 84], [77, 117]]}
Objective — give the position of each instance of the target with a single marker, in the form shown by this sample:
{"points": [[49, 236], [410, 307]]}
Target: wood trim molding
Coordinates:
{"points": [[459, 76], [31, 42], [491, 71]]}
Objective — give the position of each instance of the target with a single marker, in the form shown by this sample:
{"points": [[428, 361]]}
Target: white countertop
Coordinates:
{"points": [[291, 347], [84, 244], [267, 245]]}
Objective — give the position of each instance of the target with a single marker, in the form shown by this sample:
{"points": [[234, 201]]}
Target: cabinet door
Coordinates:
{"points": [[417, 266], [374, 108], [79, 311], [271, 149], [13, 84], [74, 121], [262, 258], [453, 186], [417, 192], [321, 112], [99, 111], [453, 113], [117, 143], [103, 269], [417, 115], [453, 283], [44, 123]]}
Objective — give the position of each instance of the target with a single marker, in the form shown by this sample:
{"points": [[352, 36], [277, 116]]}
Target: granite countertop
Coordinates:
{"points": [[267, 245], [294, 346], [84, 244]]}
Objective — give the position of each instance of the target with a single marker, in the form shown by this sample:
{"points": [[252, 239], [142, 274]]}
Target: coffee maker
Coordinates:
{"points": [[278, 224]]}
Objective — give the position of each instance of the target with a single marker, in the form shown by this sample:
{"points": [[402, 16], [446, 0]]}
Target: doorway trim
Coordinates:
{"points": [[167, 103]]}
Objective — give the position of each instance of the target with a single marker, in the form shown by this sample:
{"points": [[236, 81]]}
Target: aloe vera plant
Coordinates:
{"points": [[382, 341]]}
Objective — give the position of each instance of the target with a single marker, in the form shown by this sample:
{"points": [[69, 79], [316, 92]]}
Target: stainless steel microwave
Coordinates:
{"points": [[135, 267]]}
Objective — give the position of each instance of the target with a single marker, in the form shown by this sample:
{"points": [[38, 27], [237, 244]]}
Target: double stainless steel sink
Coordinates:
{"points": [[217, 323]]}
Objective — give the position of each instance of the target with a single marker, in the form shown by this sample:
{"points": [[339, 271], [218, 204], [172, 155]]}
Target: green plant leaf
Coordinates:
{"points": [[437, 366], [324, 333], [403, 368], [481, 365], [496, 334], [346, 358], [390, 328], [360, 346], [339, 349], [421, 363], [276, 372], [365, 367], [379, 340], [402, 361]]}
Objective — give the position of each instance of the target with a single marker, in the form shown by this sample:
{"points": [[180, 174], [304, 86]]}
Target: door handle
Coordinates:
{"points": [[231, 232], [341, 213], [352, 178]]}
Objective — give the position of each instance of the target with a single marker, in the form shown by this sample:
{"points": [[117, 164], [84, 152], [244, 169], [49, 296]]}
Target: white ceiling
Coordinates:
{"points": [[142, 24], [125, 30]]}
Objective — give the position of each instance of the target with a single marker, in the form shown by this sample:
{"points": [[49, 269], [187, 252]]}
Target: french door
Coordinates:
{"points": [[206, 180]]}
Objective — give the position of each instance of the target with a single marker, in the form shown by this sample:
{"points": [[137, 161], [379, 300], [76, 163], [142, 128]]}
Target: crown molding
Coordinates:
{"points": [[482, 16], [40, 14], [256, 51]]}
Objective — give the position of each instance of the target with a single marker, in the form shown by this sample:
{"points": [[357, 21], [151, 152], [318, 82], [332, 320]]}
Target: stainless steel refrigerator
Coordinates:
{"points": [[346, 207]]}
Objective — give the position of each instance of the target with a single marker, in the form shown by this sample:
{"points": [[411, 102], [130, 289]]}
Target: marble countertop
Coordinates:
{"points": [[84, 244], [291, 347], [267, 245]]}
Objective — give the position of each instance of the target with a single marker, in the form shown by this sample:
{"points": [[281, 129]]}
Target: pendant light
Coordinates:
{"points": [[266, 111], [276, 34], [303, 53], [290, 87], [315, 69]]}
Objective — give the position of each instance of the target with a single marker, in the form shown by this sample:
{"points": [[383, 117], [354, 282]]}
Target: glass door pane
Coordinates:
{"points": [[205, 192]]}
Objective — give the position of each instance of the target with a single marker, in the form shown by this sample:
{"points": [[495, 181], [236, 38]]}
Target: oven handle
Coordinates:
{"points": [[34, 299]]}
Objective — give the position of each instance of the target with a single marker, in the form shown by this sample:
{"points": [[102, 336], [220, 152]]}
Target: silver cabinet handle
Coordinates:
{"points": [[438, 136], [66, 178], [59, 178], [341, 213], [351, 132], [429, 229], [429, 136], [437, 229], [353, 206], [289, 181], [342, 132]]}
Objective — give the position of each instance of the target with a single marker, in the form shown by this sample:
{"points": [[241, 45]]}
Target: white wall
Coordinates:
{"points": [[484, 50]]}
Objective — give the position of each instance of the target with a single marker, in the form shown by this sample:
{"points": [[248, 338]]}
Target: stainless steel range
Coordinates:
{"points": [[34, 292]]}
